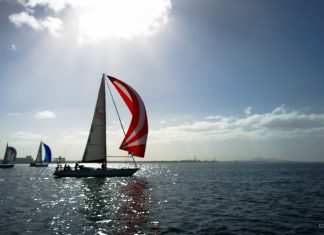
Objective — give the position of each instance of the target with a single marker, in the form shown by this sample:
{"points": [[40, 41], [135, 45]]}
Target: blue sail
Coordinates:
{"points": [[48, 153]]}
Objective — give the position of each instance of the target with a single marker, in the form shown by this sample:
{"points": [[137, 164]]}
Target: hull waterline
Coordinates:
{"points": [[109, 172], [6, 165], [33, 164]]}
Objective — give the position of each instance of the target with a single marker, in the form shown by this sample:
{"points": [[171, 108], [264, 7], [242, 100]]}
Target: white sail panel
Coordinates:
{"points": [[95, 150], [39, 153]]}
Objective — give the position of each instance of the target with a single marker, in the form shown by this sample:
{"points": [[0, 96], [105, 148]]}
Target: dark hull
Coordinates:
{"points": [[34, 164], [109, 172], [6, 165]]}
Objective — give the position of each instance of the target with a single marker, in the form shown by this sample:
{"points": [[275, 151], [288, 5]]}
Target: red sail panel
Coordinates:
{"points": [[136, 136]]}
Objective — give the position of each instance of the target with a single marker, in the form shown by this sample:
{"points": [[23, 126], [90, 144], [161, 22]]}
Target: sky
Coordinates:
{"points": [[221, 79]]}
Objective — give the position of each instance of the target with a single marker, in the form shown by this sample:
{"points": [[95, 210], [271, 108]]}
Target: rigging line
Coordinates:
{"points": [[115, 106]]}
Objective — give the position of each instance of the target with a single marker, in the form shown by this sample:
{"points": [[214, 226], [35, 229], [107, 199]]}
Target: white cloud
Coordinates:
{"points": [[22, 18], [280, 109], [214, 117], [53, 25], [248, 110], [13, 47], [45, 115], [126, 19], [97, 20], [54, 5], [277, 124]]}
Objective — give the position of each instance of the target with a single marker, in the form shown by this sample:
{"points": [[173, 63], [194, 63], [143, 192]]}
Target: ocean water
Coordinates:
{"points": [[167, 198]]}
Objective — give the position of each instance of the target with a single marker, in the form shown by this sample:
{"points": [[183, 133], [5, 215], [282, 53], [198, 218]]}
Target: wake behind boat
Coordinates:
{"points": [[47, 159], [95, 152], [9, 157]]}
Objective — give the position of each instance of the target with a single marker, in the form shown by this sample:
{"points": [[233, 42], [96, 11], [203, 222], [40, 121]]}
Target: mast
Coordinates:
{"points": [[105, 160]]}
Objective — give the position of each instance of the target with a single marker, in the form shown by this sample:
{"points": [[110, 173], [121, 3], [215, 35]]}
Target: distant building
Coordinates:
{"points": [[26, 160], [59, 159]]}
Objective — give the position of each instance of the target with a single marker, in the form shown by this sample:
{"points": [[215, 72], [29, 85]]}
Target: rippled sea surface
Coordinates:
{"points": [[168, 198]]}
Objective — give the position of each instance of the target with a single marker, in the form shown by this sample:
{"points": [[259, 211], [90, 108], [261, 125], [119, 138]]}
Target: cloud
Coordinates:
{"points": [[248, 110], [279, 110], [54, 5], [170, 120], [282, 120], [13, 47], [22, 18], [45, 115], [127, 19], [27, 136], [96, 20], [213, 117], [279, 123], [52, 25]]}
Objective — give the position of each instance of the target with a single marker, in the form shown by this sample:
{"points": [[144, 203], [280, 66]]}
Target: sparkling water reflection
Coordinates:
{"points": [[106, 206], [179, 198]]}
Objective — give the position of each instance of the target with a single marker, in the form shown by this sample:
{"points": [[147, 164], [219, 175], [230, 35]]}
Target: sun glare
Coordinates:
{"points": [[104, 19]]}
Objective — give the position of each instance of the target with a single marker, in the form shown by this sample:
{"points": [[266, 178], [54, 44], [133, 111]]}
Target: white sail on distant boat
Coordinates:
{"points": [[47, 159], [9, 157], [134, 141]]}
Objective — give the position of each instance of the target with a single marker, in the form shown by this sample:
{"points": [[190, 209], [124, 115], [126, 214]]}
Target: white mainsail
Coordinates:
{"points": [[95, 150], [39, 153]]}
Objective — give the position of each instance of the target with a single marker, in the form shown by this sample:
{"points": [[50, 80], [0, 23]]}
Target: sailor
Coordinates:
{"points": [[76, 166], [103, 165]]}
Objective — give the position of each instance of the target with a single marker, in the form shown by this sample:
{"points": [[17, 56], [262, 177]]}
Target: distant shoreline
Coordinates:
{"points": [[199, 161]]}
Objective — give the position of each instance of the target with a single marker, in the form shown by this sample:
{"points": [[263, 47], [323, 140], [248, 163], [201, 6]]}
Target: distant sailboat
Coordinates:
{"points": [[47, 159], [9, 157], [134, 141]]}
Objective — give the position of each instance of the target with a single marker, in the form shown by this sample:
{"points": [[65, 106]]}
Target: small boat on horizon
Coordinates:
{"points": [[47, 159], [9, 157], [96, 150]]}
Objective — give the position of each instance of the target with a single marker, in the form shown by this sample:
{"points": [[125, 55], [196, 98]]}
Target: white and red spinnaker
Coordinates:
{"points": [[136, 136]]}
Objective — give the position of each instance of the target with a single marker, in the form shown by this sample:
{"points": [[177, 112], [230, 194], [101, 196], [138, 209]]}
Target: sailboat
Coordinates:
{"points": [[47, 159], [9, 157], [134, 141]]}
